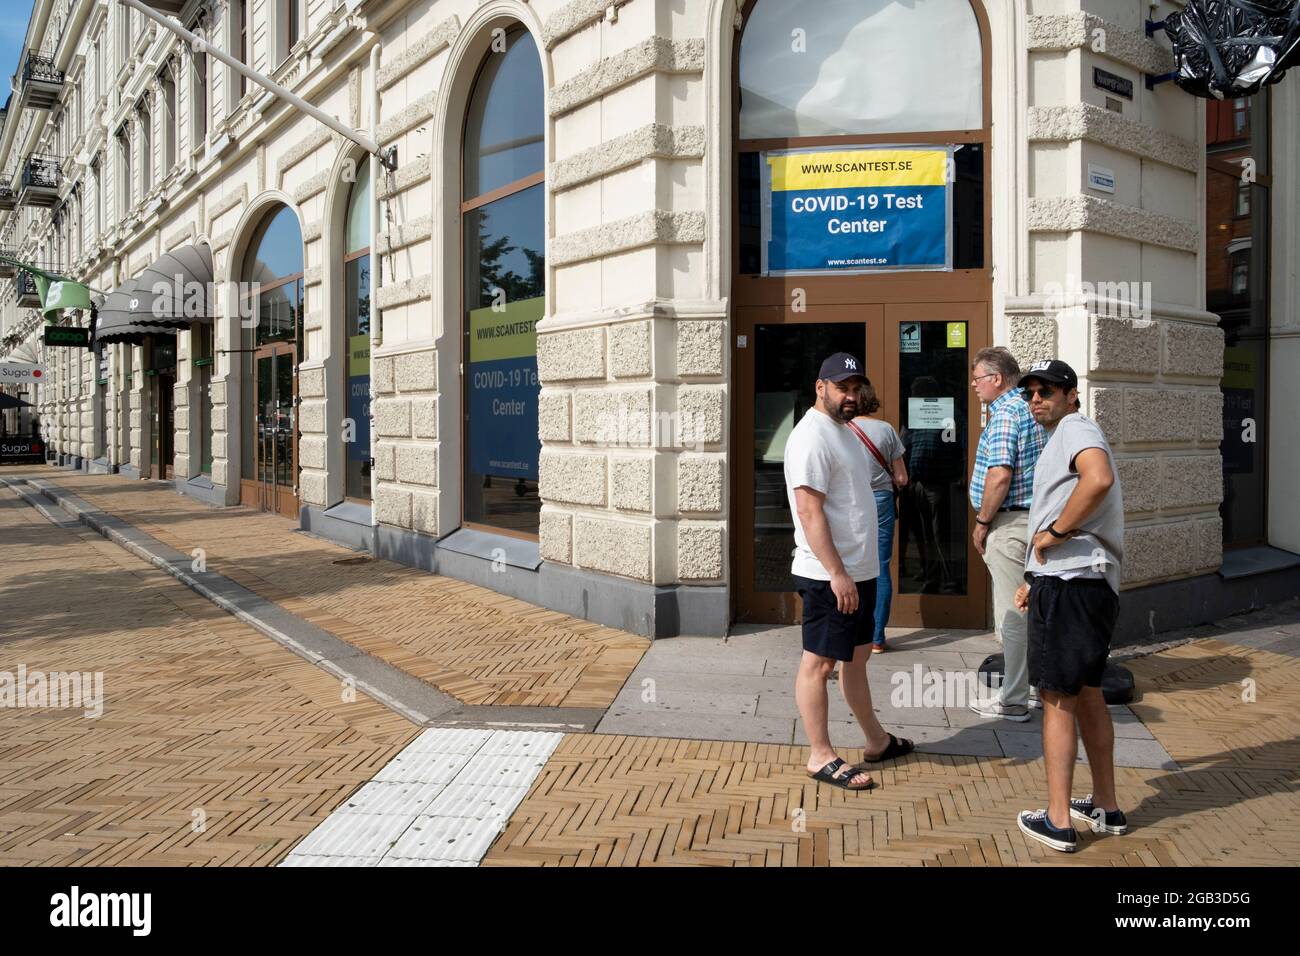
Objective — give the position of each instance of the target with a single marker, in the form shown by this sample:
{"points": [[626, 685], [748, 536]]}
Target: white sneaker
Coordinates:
{"points": [[995, 709], [1033, 698]]}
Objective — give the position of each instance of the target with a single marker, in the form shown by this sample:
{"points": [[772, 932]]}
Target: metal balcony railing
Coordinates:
{"points": [[40, 181], [7, 198], [7, 269], [28, 296], [41, 82]]}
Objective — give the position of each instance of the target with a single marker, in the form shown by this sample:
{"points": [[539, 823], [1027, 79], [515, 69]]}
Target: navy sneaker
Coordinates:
{"points": [[1034, 823], [1101, 821]]}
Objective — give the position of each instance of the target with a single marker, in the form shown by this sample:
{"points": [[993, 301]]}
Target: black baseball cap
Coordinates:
{"points": [[840, 366], [1052, 371]]}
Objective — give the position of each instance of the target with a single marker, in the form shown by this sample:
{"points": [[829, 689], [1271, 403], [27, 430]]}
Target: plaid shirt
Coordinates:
{"points": [[1012, 438]]}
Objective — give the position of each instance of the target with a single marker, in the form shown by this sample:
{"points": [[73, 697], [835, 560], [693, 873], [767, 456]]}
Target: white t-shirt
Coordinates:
{"points": [[826, 456]]}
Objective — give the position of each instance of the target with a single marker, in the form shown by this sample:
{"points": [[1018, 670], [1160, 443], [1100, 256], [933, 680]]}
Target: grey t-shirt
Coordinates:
{"points": [[1099, 545], [890, 445]]}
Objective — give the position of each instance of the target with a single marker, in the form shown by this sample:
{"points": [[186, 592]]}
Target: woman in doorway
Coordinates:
{"points": [[887, 472]]}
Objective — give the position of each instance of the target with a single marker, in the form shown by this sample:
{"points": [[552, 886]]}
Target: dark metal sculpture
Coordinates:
{"points": [[1231, 48]]}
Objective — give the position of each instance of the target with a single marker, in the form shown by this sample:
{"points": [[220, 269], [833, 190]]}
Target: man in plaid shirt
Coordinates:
{"points": [[1001, 490]]}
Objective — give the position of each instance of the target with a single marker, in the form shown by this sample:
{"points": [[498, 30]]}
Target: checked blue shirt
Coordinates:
{"points": [[1011, 438]]}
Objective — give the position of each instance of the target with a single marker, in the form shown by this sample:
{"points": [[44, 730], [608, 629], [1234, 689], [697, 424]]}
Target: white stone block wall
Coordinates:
{"points": [[631, 355], [1115, 281]]}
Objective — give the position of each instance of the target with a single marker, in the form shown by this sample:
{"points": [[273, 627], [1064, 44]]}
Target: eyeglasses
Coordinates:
{"points": [[986, 375], [1044, 392]]}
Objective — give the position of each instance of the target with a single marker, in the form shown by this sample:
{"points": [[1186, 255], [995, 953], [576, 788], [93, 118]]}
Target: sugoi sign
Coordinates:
{"points": [[15, 373], [67, 335], [18, 451], [866, 209]]}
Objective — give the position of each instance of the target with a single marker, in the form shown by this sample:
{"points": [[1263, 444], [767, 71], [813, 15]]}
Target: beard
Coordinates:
{"points": [[843, 411]]}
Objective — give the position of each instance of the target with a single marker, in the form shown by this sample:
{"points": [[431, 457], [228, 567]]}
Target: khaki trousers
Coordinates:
{"points": [[1004, 554]]}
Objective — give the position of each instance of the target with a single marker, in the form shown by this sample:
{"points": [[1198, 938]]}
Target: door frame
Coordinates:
{"points": [[162, 441], [759, 299], [268, 495], [880, 322]]}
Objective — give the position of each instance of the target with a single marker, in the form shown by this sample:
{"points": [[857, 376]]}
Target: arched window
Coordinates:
{"points": [[823, 75], [271, 303], [356, 319], [861, 73], [505, 280]]}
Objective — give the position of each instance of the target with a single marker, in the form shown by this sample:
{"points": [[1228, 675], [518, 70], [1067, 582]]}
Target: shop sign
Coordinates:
{"points": [[867, 209], [17, 451], [503, 389], [67, 335], [12, 373]]}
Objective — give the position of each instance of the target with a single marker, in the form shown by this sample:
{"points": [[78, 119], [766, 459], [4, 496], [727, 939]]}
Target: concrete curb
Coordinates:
{"points": [[419, 702]]}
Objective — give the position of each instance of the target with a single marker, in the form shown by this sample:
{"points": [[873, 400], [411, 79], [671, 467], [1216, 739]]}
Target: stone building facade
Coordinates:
{"points": [[642, 387]]}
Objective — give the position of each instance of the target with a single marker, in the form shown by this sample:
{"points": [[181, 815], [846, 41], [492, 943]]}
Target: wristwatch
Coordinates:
{"points": [[1051, 529]]}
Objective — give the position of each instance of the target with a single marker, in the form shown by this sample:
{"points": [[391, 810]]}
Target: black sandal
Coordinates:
{"points": [[827, 774], [898, 747]]}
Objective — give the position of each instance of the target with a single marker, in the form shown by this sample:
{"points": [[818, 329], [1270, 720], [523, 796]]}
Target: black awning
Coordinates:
{"points": [[174, 292], [113, 318], [8, 401]]}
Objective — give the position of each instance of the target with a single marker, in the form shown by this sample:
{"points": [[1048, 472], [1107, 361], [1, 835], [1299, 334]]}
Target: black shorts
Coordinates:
{"points": [[827, 632], [1070, 626]]}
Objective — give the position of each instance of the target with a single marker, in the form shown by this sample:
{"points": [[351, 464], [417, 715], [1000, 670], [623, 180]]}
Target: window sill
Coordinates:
{"points": [[515, 552], [1261, 559]]}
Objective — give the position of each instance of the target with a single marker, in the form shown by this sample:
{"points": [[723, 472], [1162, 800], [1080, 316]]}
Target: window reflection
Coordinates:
{"points": [[504, 132]]}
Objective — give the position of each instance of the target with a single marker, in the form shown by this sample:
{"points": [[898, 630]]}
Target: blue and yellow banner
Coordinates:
{"points": [[857, 210], [503, 389]]}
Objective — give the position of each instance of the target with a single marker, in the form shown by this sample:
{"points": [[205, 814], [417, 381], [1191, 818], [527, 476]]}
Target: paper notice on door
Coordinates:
{"points": [[956, 335], [923, 413]]}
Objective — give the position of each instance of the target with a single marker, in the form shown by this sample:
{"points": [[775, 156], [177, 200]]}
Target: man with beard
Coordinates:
{"points": [[827, 477]]}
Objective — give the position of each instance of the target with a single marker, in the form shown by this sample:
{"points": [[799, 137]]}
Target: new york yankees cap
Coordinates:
{"points": [[840, 366]]}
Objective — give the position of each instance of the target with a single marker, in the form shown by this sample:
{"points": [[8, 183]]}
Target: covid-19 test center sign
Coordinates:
{"points": [[866, 209]]}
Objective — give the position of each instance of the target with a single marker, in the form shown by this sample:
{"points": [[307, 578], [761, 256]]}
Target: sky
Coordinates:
{"points": [[14, 15]]}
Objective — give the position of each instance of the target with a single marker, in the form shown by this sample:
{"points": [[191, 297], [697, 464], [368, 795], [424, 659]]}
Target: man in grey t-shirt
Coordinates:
{"points": [[1072, 574]]}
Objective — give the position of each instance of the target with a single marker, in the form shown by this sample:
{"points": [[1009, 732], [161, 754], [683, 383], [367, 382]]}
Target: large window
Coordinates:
{"points": [[829, 74], [1238, 190], [860, 73], [123, 171], [503, 212], [144, 120], [198, 92], [167, 82], [271, 305], [356, 271]]}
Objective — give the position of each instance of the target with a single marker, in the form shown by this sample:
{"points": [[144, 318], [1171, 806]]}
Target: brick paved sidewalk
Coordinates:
{"points": [[1219, 713], [474, 644], [215, 746], [1226, 707]]}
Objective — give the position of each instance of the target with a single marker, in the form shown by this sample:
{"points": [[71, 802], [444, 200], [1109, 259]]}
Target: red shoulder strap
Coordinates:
{"points": [[871, 446]]}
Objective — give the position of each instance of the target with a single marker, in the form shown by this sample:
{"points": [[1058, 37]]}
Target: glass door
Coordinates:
{"points": [[779, 352], [276, 430], [940, 579]]}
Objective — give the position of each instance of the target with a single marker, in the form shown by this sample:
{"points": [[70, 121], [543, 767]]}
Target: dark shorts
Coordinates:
{"points": [[827, 632], [1070, 627]]}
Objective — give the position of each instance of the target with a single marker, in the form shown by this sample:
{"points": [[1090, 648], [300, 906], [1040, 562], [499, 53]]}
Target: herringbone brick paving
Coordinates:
{"points": [[479, 646], [616, 801], [202, 714]]}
